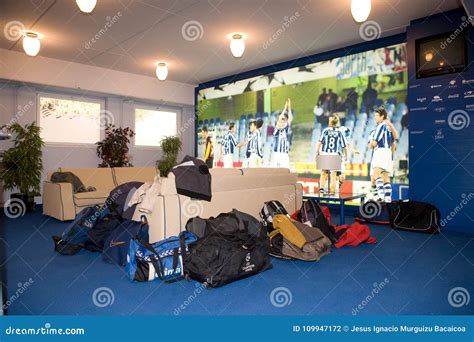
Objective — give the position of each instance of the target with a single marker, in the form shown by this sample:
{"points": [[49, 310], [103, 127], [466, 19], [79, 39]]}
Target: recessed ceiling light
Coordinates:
{"points": [[237, 43], [161, 70], [31, 43], [86, 6], [361, 9]]}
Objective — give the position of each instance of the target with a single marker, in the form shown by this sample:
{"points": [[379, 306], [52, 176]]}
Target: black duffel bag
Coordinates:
{"points": [[415, 217], [230, 247]]}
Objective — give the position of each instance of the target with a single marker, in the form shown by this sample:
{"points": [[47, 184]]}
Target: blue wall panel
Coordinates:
{"points": [[442, 150]]}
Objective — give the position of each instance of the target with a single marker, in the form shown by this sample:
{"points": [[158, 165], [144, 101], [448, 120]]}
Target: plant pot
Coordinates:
{"points": [[23, 201]]}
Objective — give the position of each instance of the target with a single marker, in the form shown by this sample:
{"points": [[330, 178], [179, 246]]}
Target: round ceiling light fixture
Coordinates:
{"points": [[31, 43], [86, 6], [161, 71], [361, 9], [237, 44]]}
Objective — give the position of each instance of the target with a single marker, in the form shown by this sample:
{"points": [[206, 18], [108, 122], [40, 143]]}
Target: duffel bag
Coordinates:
{"points": [[233, 246], [415, 217], [162, 259]]}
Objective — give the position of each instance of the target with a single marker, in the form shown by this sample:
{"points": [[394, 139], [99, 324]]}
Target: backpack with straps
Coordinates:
{"points": [[313, 215], [270, 209]]}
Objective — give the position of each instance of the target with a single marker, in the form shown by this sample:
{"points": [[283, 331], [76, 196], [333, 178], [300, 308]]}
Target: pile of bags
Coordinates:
{"points": [[214, 251]]}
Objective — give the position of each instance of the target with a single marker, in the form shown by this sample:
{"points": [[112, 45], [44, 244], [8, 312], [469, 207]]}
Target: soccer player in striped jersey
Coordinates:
{"points": [[281, 143], [350, 148], [228, 144], [373, 189], [382, 162], [330, 143], [253, 142]]}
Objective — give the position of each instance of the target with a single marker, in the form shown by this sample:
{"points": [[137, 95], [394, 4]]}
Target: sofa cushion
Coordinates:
{"points": [[265, 171], [99, 178], [134, 174], [85, 199]]}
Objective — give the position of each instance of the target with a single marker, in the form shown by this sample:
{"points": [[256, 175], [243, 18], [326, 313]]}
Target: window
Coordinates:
{"points": [[66, 119], [152, 125]]}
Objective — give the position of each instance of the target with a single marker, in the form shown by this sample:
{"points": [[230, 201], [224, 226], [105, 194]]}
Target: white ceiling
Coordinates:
{"points": [[146, 31]]}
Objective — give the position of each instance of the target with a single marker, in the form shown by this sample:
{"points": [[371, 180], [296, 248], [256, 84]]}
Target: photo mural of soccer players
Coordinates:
{"points": [[330, 143], [228, 145], [281, 143], [208, 148], [253, 143], [382, 162]]}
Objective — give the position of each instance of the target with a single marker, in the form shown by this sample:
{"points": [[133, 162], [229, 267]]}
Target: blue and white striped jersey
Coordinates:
{"points": [[371, 136], [332, 140], [255, 143], [280, 140], [229, 142], [383, 136]]}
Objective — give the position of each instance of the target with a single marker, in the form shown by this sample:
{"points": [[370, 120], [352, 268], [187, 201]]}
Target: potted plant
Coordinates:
{"points": [[23, 164], [170, 147], [113, 149]]}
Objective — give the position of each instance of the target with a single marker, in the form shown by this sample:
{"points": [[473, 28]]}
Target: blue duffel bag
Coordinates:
{"points": [[162, 259]]}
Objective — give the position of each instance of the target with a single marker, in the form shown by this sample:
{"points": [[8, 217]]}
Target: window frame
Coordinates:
{"points": [[176, 110], [65, 96]]}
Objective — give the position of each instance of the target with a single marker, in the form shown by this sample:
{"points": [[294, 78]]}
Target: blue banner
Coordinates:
{"points": [[229, 328]]}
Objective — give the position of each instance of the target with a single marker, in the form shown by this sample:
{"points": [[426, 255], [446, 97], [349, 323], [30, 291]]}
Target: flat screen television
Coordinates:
{"points": [[441, 54]]}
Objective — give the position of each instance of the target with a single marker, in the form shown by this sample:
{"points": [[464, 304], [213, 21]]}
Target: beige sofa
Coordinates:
{"points": [[242, 189], [60, 202]]}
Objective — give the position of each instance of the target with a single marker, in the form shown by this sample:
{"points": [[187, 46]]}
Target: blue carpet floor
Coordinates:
{"points": [[404, 273]]}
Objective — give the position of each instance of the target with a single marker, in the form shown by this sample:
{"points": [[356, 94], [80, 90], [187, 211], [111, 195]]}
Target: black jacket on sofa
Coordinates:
{"points": [[193, 178]]}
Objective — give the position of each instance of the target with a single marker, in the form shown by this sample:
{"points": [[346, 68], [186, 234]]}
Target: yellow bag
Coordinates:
{"points": [[287, 228]]}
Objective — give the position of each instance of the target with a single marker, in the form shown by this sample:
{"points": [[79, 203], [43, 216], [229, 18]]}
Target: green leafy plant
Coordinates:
{"points": [[22, 163], [171, 147], [113, 149]]}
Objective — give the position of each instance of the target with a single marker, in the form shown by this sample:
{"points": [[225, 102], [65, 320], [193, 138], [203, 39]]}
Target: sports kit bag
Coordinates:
{"points": [[101, 231], [313, 215], [231, 246], [296, 240], [374, 212], [75, 235], [270, 209], [117, 244], [162, 259], [415, 216], [120, 196]]}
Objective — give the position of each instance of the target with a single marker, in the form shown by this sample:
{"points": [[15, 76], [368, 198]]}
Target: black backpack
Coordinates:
{"points": [[415, 217], [230, 247], [312, 214], [98, 235], [270, 209]]}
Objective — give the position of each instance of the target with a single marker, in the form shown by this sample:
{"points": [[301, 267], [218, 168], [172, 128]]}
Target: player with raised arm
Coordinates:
{"points": [[281, 143]]}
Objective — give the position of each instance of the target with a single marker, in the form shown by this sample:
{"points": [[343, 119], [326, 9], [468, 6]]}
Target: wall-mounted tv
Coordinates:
{"points": [[441, 54]]}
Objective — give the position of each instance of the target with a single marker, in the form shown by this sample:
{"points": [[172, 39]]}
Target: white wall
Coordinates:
{"points": [[18, 101]]}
